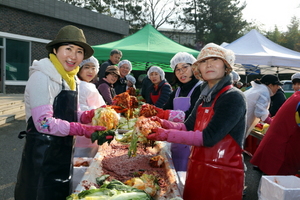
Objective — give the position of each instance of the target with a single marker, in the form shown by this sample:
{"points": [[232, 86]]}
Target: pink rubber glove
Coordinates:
{"points": [[168, 124], [82, 129], [193, 138], [87, 116], [268, 120]]}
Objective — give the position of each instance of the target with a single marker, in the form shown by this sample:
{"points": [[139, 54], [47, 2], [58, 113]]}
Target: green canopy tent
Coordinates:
{"points": [[144, 48]]}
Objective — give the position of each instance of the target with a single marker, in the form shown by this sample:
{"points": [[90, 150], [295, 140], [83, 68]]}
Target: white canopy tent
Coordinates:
{"points": [[255, 49]]}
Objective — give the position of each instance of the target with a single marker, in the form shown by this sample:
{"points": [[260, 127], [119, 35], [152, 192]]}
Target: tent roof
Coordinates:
{"points": [[145, 47], [254, 48]]}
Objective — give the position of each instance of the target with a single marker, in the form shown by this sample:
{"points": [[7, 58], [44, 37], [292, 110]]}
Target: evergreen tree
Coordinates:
{"points": [[293, 35], [215, 21]]}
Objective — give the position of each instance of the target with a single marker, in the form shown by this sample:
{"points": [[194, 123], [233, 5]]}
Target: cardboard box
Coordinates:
{"points": [[279, 188]]}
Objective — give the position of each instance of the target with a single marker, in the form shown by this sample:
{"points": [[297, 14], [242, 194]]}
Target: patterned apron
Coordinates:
{"points": [[47, 161], [214, 173]]}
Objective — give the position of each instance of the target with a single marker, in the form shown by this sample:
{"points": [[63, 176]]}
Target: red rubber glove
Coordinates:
{"points": [[87, 116], [82, 129], [163, 114], [168, 124], [193, 138]]}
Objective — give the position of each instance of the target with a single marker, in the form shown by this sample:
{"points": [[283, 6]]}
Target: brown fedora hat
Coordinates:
{"points": [[73, 35]]}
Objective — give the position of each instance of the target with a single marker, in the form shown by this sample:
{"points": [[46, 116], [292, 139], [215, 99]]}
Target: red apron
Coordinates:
{"points": [[214, 173], [155, 97]]}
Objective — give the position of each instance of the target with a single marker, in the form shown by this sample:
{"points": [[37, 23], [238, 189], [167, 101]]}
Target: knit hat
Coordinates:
{"points": [[158, 70], [235, 76], [93, 60], [112, 69], [125, 62], [270, 79], [295, 76], [212, 50], [131, 79], [182, 57], [71, 34]]}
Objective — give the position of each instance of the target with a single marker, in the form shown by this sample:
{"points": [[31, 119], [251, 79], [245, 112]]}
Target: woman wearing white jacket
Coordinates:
{"points": [[89, 99], [258, 100], [53, 119]]}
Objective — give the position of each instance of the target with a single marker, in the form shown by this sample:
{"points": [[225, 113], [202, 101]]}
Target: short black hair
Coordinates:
{"points": [[116, 51], [295, 80]]}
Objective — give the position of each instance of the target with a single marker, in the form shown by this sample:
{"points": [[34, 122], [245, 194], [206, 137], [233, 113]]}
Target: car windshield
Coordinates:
{"points": [[287, 86]]}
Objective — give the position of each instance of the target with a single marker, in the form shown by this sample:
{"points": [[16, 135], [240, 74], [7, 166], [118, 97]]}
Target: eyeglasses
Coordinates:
{"points": [[182, 69]]}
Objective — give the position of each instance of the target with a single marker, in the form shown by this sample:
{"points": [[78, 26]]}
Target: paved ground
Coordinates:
{"points": [[252, 180], [10, 154]]}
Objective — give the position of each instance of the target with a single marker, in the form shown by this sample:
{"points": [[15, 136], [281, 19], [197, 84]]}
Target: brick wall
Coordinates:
{"points": [[34, 25]]}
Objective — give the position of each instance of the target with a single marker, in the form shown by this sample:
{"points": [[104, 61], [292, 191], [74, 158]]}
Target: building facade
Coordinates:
{"points": [[183, 37], [26, 26]]}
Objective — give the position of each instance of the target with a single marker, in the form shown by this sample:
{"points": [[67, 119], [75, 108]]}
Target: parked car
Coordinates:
{"points": [[287, 88]]}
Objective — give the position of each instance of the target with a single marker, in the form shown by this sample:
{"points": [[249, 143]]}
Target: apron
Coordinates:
{"points": [[47, 162], [155, 97], [214, 173], [181, 152]]}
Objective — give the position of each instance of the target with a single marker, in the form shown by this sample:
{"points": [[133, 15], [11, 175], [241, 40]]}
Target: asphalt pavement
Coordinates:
{"points": [[11, 150]]}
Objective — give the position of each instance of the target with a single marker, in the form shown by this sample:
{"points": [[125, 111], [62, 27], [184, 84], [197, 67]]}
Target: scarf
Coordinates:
{"points": [[207, 92], [69, 77]]}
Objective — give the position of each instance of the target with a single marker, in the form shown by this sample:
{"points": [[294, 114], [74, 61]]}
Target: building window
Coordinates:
{"points": [[17, 60], [1, 41]]}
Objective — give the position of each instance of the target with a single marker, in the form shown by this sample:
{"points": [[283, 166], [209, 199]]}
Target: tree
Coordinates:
{"points": [[101, 6], [215, 21], [130, 11], [160, 12], [141, 12], [293, 35], [289, 39]]}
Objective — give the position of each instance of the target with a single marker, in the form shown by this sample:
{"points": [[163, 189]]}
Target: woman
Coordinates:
{"points": [[106, 87], [51, 115], [130, 81], [181, 99], [258, 100], [125, 68], [215, 129], [160, 89], [89, 98]]}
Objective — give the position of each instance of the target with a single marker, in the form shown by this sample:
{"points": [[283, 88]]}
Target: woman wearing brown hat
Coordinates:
{"points": [[215, 129], [106, 87], [51, 102]]}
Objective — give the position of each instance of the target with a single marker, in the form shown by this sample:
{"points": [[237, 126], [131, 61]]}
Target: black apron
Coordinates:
{"points": [[47, 161]]}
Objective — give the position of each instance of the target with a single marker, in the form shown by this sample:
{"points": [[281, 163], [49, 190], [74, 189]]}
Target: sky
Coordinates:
{"points": [[271, 13]]}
